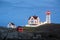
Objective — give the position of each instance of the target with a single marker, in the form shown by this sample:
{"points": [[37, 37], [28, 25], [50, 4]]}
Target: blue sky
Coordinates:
{"points": [[18, 11]]}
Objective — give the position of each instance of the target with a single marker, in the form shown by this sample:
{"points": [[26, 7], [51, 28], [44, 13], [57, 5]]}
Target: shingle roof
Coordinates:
{"points": [[35, 17], [12, 23]]}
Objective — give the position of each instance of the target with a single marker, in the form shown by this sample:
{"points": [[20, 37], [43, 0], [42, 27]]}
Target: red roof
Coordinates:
{"points": [[20, 29]]}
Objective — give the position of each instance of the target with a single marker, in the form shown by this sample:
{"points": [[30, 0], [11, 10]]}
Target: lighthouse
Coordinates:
{"points": [[34, 21], [48, 19]]}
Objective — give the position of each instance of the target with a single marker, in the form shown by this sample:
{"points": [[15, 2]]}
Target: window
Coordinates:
{"points": [[32, 21], [35, 22]]}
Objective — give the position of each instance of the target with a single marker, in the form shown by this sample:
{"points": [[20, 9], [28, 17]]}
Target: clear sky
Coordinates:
{"points": [[18, 11]]}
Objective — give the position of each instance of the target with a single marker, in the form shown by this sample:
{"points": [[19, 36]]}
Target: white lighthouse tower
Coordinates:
{"points": [[48, 19]]}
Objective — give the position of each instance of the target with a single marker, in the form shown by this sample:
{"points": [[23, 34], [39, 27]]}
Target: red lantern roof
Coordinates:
{"points": [[48, 12]]}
